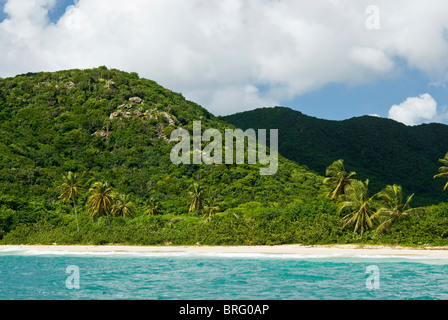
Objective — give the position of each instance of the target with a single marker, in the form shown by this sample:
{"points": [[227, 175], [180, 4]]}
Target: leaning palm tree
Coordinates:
{"points": [[443, 170], [154, 207], [123, 206], [71, 189], [338, 179], [101, 200], [392, 207], [359, 205], [196, 198]]}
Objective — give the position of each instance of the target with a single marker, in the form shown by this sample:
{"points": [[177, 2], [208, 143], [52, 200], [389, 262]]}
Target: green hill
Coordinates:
{"points": [[114, 126], [383, 150]]}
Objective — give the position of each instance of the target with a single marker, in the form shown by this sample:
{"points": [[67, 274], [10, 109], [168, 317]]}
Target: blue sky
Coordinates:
{"points": [[2, 13], [318, 57], [59, 9], [54, 14], [342, 101]]}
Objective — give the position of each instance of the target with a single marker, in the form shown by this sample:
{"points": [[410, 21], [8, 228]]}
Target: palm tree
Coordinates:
{"points": [[443, 170], [338, 179], [71, 189], [154, 207], [392, 206], [101, 200], [196, 198], [210, 207], [359, 205], [123, 206]]}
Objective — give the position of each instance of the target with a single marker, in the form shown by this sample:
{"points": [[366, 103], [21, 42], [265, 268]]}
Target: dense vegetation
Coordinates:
{"points": [[382, 150], [85, 159]]}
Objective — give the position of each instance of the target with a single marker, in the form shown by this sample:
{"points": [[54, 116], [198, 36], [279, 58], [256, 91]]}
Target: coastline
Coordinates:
{"points": [[339, 250]]}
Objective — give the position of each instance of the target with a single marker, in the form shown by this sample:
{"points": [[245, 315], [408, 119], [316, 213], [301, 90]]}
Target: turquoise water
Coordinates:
{"points": [[32, 275]]}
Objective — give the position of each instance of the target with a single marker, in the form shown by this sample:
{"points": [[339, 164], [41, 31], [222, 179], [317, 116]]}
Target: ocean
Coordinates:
{"points": [[33, 275]]}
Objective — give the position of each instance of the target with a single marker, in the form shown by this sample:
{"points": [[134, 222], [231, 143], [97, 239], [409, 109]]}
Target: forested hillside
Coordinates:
{"points": [[85, 159], [114, 127], [382, 150]]}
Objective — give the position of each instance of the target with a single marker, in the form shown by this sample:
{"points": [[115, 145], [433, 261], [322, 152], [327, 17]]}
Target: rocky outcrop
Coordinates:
{"points": [[127, 110], [137, 113], [70, 85], [114, 115], [125, 106], [102, 134], [136, 100], [171, 119]]}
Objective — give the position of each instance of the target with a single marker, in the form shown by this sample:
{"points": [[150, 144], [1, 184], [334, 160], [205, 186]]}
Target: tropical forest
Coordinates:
{"points": [[85, 159]]}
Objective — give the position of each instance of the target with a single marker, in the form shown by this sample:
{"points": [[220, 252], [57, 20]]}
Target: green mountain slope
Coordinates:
{"points": [[382, 150], [114, 126]]}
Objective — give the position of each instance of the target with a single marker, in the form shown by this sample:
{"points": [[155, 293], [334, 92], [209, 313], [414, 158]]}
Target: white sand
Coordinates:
{"points": [[343, 250]]}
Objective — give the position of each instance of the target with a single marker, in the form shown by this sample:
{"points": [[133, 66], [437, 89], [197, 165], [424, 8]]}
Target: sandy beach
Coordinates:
{"points": [[343, 250]]}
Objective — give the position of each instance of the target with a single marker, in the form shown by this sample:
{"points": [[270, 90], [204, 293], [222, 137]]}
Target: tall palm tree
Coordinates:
{"points": [[101, 200], [196, 198], [392, 206], [359, 205], [123, 206], [338, 179], [443, 170], [154, 207], [71, 189]]}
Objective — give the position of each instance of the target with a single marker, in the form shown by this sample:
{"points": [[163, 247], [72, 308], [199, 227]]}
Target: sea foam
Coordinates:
{"points": [[337, 257]]}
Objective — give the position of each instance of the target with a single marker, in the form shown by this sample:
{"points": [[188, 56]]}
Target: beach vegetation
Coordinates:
{"points": [[443, 170], [338, 179], [71, 189], [154, 207], [101, 201], [359, 206], [392, 207], [88, 162]]}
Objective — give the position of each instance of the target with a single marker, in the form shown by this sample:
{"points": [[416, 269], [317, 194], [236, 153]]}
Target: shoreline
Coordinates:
{"points": [[339, 250]]}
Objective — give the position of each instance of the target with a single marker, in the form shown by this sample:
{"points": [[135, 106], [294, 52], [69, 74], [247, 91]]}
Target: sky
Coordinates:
{"points": [[332, 59]]}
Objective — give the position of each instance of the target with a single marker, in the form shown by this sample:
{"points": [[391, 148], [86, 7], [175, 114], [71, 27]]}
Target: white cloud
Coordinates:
{"points": [[372, 59], [232, 98], [218, 52], [417, 110]]}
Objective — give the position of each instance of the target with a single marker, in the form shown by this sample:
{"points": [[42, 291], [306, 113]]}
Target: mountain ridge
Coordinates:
{"points": [[374, 147]]}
